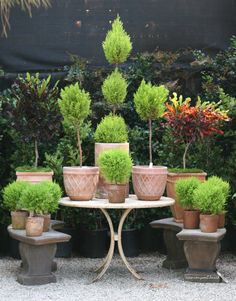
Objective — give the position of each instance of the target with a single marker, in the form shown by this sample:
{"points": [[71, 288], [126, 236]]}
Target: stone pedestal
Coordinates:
{"points": [[37, 254], [201, 251], [175, 253]]}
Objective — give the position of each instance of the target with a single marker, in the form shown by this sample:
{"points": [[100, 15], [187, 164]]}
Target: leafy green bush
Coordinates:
{"points": [[115, 166], [27, 168], [184, 190], [112, 129], [12, 194], [117, 45], [186, 170], [114, 89], [210, 196]]}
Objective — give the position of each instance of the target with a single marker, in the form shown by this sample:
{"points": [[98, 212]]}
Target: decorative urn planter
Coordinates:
{"points": [[80, 182], [34, 177], [149, 182]]}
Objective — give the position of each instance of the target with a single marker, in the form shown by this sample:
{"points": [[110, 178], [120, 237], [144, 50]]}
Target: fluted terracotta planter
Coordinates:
{"points": [[209, 223], [221, 220], [18, 219], [191, 219], [80, 182], [34, 226], [34, 177], [102, 188], [116, 193], [149, 182], [172, 178]]}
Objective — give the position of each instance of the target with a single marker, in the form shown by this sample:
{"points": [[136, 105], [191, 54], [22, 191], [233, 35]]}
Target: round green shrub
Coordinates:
{"points": [[112, 129], [114, 89], [150, 101], [184, 190], [117, 45], [209, 197], [12, 194], [115, 166], [224, 186]]}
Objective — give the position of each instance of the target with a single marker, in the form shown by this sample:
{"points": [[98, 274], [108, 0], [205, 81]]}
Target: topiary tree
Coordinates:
{"points": [[184, 191], [149, 103], [12, 194], [75, 107], [114, 89]]}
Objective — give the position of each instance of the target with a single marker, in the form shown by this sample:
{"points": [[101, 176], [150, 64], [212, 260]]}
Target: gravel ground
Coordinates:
{"points": [[74, 274]]}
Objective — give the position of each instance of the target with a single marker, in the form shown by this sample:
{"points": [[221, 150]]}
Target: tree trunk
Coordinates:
{"points": [[80, 149], [36, 151], [150, 143], [185, 153]]}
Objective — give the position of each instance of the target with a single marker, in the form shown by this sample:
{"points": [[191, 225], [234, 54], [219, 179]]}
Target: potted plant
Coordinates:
{"points": [[149, 182], [184, 191], [187, 125], [115, 166], [11, 197], [34, 99], [210, 199], [80, 182]]}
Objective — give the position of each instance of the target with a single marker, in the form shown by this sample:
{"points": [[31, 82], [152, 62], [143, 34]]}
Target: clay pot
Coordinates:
{"points": [[117, 193], [18, 219], [80, 182], [34, 226], [209, 223], [34, 177], [102, 188], [191, 219], [172, 178], [149, 182], [46, 221], [221, 220]]}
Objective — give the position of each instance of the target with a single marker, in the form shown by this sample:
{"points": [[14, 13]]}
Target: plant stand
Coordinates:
{"points": [[202, 250], [37, 254], [175, 251]]}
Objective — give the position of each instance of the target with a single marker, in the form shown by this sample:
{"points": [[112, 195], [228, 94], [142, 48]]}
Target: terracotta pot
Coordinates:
{"points": [[221, 220], [18, 219], [34, 226], [149, 182], [46, 221], [80, 183], [34, 177], [172, 178], [209, 223], [191, 219], [116, 193], [102, 188]]}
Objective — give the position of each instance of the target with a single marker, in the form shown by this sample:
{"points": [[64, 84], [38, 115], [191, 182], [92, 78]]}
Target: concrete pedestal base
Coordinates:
{"points": [[175, 253], [201, 250]]}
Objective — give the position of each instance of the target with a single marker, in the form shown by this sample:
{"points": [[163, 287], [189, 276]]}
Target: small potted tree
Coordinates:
{"points": [[80, 182], [11, 199], [35, 117], [210, 199], [115, 166], [149, 182], [184, 192], [187, 125]]}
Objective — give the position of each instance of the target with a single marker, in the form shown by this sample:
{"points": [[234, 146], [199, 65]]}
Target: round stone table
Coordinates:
{"points": [[130, 203]]}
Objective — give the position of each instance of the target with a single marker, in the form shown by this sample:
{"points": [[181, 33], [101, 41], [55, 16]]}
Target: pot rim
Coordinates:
{"points": [[34, 173], [111, 143], [187, 174], [81, 170]]}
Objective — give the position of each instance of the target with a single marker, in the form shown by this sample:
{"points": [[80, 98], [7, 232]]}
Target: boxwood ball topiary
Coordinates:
{"points": [[184, 190], [12, 194], [115, 166]]}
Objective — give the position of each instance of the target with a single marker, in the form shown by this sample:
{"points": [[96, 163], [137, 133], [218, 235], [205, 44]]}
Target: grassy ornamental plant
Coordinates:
{"points": [[184, 190], [75, 108], [112, 129], [149, 103], [12, 194], [115, 166]]}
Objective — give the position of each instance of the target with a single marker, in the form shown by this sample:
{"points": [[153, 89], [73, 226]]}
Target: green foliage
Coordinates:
{"points": [[184, 190], [112, 129], [27, 168], [12, 194], [150, 101], [185, 170], [115, 166], [55, 162], [117, 45], [74, 105], [114, 89], [211, 196]]}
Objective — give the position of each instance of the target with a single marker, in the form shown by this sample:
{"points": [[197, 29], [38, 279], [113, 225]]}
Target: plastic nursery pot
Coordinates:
{"points": [[221, 220], [191, 219], [46, 221], [116, 193], [209, 223], [80, 182], [149, 182], [34, 177], [34, 226], [102, 188], [18, 219], [172, 178]]}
